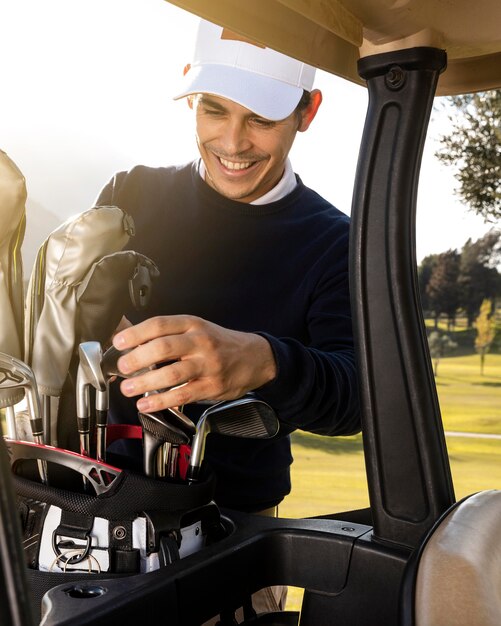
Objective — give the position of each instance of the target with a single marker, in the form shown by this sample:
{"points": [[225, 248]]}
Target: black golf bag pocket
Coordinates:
{"points": [[120, 523], [135, 525]]}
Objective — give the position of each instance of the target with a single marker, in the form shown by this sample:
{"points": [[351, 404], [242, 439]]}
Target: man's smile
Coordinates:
{"points": [[235, 165]]}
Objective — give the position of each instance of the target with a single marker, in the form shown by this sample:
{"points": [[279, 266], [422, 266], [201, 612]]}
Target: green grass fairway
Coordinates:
{"points": [[328, 475], [470, 402]]}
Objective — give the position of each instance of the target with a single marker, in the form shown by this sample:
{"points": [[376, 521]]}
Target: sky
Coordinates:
{"points": [[87, 91]]}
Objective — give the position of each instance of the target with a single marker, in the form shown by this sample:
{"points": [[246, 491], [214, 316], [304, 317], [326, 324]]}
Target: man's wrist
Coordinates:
{"points": [[268, 368]]}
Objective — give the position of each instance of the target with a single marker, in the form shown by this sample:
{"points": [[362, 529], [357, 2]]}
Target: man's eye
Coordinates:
{"points": [[213, 112], [260, 121]]}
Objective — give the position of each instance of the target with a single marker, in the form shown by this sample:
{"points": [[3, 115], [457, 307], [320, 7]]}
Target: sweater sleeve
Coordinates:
{"points": [[316, 387]]}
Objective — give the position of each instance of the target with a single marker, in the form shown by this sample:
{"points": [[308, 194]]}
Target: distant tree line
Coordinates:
{"points": [[468, 281], [461, 280]]}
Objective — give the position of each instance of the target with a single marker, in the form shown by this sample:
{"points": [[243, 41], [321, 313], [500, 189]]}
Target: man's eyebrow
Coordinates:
{"points": [[208, 101]]}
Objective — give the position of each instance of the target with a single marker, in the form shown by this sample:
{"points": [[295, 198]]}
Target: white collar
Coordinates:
{"points": [[284, 186]]}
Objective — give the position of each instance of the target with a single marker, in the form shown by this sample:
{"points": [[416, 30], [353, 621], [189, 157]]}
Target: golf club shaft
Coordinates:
{"points": [[197, 453], [162, 460], [10, 422], [102, 406], [173, 460], [46, 417], [151, 445], [34, 411], [100, 436], [83, 418]]}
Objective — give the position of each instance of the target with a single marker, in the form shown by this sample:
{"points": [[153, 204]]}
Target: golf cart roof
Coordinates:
{"points": [[334, 34]]}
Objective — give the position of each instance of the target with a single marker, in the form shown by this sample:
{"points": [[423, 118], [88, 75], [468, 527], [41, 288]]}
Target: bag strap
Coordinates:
{"points": [[130, 494]]}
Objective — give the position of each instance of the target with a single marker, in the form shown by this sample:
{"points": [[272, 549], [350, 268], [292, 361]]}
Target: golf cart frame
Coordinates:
{"points": [[357, 568]]}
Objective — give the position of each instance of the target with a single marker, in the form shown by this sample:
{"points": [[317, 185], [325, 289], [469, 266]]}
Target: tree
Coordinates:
{"points": [[439, 345], [478, 275], [486, 331], [442, 290], [473, 147], [442, 286], [425, 270]]}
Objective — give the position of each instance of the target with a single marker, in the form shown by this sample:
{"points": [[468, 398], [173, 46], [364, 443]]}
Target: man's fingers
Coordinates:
{"points": [[171, 375], [193, 391], [157, 350], [151, 329]]}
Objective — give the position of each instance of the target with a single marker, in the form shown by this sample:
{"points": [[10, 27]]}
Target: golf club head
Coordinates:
{"points": [[91, 355], [156, 432], [181, 420], [14, 374], [109, 364], [246, 417], [89, 374], [175, 416]]}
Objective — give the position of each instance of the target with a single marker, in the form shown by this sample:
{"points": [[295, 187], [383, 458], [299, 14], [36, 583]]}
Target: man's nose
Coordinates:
{"points": [[235, 137]]}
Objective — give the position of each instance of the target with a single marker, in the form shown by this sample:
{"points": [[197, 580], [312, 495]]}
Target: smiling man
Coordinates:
{"points": [[254, 270], [245, 154]]}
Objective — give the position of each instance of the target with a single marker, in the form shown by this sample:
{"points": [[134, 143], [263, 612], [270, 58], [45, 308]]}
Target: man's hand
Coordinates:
{"points": [[207, 362]]}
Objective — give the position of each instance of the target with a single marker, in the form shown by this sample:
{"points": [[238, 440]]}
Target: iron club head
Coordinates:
{"points": [[14, 374], [109, 364], [157, 431], [89, 374], [246, 417]]}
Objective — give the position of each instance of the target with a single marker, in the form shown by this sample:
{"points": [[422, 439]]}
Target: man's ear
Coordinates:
{"points": [[308, 114]]}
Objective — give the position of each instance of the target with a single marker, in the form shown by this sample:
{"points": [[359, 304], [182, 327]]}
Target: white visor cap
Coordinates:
{"points": [[260, 79]]}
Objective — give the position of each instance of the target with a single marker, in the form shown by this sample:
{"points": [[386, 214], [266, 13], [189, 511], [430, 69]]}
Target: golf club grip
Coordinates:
{"points": [[100, 475], [101, 442], [37, 428], [84, 438], [192, 473]]}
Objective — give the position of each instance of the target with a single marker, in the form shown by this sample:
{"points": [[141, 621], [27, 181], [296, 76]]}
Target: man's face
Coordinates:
{"points": [[244, 154]]}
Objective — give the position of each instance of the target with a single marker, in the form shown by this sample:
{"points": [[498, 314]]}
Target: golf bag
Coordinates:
{"points": [[13, 221], [81, 516], [129, 525]]}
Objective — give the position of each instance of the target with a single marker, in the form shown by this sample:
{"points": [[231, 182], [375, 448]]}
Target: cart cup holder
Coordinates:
{"points": [[84, 592]]}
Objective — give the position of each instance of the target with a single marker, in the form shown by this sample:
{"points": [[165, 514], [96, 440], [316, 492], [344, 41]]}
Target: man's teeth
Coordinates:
{"points": [[232, 165]]}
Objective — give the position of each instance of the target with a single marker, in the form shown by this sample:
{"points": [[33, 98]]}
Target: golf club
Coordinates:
{"points": [[246, 417], [109, 364], [102, 407], [156, 432], [15, 374], [10, 422], [89, 374], [110, 369]]}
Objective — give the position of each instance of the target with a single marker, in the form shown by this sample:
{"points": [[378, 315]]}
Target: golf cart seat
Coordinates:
{"points": [[455, 578]]}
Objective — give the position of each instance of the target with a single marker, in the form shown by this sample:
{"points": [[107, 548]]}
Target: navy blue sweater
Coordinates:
{"points": [[280, 270]]}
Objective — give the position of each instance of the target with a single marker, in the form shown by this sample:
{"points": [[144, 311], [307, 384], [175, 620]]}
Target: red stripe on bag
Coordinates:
{"points": [[122, 431], [183, 460]]}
